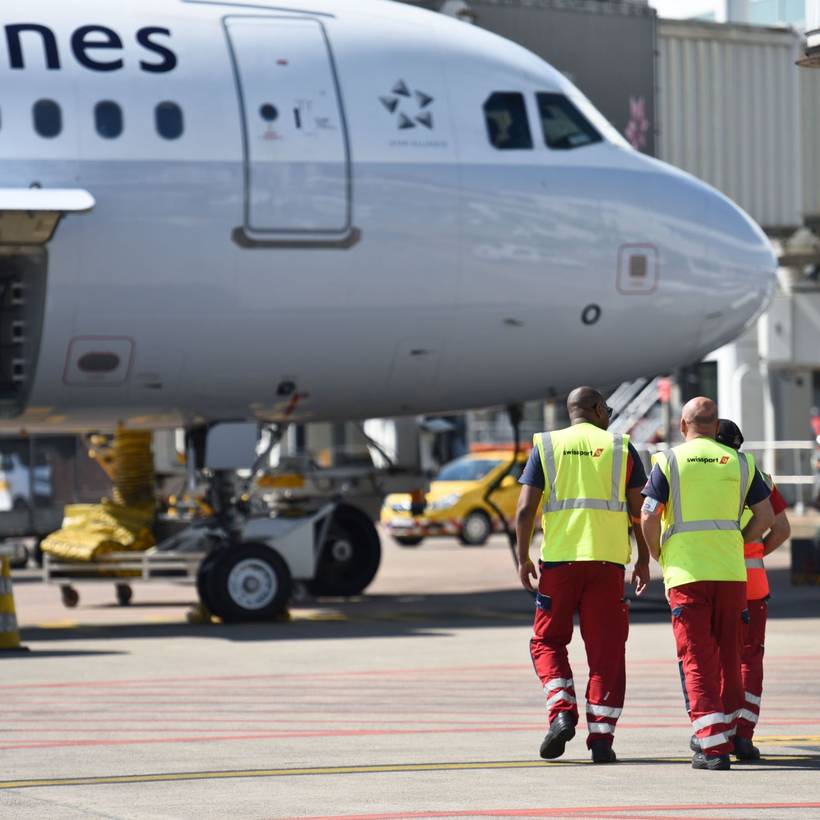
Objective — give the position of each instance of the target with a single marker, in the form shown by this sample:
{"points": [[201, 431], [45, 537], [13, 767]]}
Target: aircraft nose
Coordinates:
{"points": [[743, 271]]}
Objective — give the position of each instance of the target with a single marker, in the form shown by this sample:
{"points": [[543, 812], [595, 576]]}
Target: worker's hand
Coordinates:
{"points": [[640, 576], [525, 571]]}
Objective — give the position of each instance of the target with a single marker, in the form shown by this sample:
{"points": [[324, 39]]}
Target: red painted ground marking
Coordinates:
{"points": [[583, 811], [66, 743], [439, 670], [320, 676], [283, 733]]}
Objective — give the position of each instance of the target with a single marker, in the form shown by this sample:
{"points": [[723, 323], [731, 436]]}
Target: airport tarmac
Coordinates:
{"points": [[418, 701]]}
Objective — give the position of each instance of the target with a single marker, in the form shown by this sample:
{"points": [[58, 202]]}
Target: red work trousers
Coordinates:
{"points": [[595, 590], [751, 666], [707, 619]]}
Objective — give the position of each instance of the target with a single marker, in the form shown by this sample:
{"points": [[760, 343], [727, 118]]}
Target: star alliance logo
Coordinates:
{"points": [[410, 107]]}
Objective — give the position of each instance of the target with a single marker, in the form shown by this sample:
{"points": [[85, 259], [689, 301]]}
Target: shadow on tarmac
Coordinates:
{"points": [[374, 616], [58, 653], [784, 763], [403, 615]]}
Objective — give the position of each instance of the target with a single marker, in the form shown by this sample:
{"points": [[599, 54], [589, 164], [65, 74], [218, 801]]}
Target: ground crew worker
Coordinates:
{"points": [[695, 497], [587, 479], [757, 596]]}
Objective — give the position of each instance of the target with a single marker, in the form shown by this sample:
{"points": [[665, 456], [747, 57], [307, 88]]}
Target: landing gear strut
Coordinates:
{"points": [[332, 548]]}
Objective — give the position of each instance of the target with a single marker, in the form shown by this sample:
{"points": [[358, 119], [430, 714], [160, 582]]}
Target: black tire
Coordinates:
{"points": [[70, 596], [203, 575], [124, 594], [408, 540], [37, 553], [22, 561], [350, 557], [475, 529], [248, 582]]}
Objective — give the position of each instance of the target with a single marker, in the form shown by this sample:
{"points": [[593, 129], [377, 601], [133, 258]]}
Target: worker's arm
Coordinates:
{"points": [[528, 502], [762, 519], [640, 573], [656, 494], [778, 534], [651, 529]]}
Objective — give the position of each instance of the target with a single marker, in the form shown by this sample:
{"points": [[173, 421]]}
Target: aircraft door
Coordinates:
{"points": [[297, 156]]}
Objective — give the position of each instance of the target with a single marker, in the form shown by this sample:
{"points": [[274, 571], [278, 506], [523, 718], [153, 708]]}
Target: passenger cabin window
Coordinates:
{"points": [[169, 122], [48, 118], [108, 119], [505, 114], [565, 127]]}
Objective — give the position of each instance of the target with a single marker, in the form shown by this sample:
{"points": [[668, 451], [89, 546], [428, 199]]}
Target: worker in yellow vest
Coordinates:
{"points": [[690, 519], [586, 480], [757, 596]]}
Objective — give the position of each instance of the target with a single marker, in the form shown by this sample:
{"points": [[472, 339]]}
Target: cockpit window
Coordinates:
{"points": [[565, 127], [506, 116]]}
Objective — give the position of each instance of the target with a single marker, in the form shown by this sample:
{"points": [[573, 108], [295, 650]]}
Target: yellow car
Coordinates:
{"points": [[455, 504]]}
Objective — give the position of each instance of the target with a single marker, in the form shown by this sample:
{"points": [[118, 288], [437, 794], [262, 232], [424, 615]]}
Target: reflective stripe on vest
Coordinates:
{"points": [[754, 563], [552, 504], [708, 525]]}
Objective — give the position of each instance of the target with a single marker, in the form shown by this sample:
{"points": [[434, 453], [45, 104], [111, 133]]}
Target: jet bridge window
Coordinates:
{"points": [[169, 122], [505, 114], [48, 118], [108, 119], [565, 127]]}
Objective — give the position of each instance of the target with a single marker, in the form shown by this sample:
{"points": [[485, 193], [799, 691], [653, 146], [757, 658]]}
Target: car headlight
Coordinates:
{"points": [[445, 502]]}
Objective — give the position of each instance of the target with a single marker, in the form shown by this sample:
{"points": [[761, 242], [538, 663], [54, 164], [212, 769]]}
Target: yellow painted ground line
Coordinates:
{"points": [[387, 768]]}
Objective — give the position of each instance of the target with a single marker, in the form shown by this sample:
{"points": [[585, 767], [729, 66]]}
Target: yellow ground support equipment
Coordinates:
{"points": [[9, 633], [122, 523]]}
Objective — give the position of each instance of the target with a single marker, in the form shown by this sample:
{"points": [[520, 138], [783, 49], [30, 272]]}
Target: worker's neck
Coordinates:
{"points": [[692, 435], [581, 420]]}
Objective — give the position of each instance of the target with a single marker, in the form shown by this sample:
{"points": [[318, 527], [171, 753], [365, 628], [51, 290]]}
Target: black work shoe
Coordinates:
{"points": [[715, 763], [561, 730], [694, 743], [745, 749], [602, 752]]}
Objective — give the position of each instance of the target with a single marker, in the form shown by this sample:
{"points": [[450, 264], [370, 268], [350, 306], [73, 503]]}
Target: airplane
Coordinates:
{"points": [[317, 211], [224, 211]]}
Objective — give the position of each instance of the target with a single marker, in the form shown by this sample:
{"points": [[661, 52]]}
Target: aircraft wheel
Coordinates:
{"points": [[408, 540], [476, 529], [248, 582], [37, 552], [70, 596], [21, 556], [203, 575], [350, 556], [124, 594]]}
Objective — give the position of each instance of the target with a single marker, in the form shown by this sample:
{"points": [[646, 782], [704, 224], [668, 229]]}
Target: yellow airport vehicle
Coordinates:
{"points": [[455, 503]]}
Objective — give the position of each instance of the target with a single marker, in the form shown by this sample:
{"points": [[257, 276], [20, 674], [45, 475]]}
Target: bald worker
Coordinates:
{"points": [[691, 519], [587, 480]]}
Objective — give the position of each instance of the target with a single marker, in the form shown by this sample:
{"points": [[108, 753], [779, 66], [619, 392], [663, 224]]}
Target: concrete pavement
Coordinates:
{"points": [[417, 701]]}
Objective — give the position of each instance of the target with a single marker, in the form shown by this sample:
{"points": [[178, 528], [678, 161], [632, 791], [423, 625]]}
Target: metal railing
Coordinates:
{"points": [[790, 463]]}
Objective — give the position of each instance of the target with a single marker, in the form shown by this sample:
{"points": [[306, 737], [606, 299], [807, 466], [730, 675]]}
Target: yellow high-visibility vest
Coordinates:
{"points": [[700, 526], [584, 507]]}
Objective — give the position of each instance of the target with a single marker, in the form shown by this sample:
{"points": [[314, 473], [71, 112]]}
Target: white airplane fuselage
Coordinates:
{"points": [[333, 234]]}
